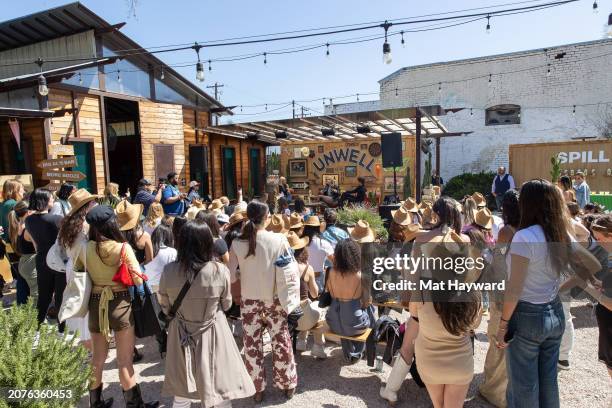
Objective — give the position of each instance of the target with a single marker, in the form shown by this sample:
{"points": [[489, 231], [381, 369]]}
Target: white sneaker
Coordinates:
{"points": [[301, 345], [318, 351], [266, 338]]}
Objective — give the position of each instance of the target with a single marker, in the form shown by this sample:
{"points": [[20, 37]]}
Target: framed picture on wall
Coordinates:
{"points": [[389, 184], [298, 168], [334, 178], [320, 148], [350, 171]]}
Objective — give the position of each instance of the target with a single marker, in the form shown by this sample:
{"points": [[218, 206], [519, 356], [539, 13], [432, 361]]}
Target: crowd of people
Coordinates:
{"points": [[213, 263]]}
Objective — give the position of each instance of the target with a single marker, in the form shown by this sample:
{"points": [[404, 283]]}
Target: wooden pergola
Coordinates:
{"points": [[421, 121]]}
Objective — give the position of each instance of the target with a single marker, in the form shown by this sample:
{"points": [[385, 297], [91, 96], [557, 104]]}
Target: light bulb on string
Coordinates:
{"points": [[396, 94], [199, 65], [327, 51], [43, 90], [488, 29], [162, 76], [265, 55], [574, 110], [387, 57], [548, 70], [209, 65], [240, 108], [266, 106], [119, 76], [80, 79], [357, 97], [403, 42], [609, 26], [595, 7], [490, 79], [471, 112], [439, 87]]}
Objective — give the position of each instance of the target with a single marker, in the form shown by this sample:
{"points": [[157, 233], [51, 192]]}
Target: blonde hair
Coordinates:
{"points": [[11, 190], [111, 189], [156, 212]]}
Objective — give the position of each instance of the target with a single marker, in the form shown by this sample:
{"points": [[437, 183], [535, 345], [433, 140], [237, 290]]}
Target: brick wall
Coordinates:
{"points": [[579, 78]]}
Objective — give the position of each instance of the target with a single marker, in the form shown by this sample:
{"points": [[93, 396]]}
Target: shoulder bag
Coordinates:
{"points": [[75, 300], [57, 257], [287, 279]]}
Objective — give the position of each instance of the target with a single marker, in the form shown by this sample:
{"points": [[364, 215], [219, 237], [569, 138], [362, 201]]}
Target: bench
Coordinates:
{"points": [[324, 328]]}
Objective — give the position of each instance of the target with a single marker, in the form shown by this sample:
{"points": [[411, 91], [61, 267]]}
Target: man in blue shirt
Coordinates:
{"points": [[332, 233], [172, 198], [145, 196], [583, 192]]}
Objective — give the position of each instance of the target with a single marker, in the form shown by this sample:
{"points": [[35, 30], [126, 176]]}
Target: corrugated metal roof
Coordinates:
{"points": [[75, 18]]}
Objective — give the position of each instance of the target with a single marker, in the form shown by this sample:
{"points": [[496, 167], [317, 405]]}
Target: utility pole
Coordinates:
{"points": [[293, 108], [216, 87]]}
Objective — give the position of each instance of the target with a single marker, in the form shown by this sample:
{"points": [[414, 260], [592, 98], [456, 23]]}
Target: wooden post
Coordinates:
{"points": [[438, 154], [104, 140], [417, 155]]}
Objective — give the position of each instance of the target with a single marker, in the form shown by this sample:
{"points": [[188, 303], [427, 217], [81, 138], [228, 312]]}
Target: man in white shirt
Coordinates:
{"points": [[501, 183]]}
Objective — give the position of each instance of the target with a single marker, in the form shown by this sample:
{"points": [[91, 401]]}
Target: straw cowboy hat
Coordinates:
{"points": [[295, 221], [295, 242], [128, 215], [216, 204], [224, 200], [199, 204], [480, 200], [240, 207], [429, 217], [312, 221], [287, 221], [410, 205], [401, 216], [277, 224], [362, 232], [235, 218], [452, 242], [436, 190], [424, 204], [192, 212], [80, 198], [484, 218], [411, 231]]}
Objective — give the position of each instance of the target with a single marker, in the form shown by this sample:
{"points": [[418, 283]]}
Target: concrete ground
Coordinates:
{"points": [[330, 383]]}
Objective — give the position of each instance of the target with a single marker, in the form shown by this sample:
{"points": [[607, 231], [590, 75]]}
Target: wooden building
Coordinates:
{"points": [[346, 146], [127, 114]]}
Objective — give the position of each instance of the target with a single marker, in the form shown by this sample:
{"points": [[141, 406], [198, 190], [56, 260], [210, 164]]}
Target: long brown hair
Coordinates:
{"points": [[448, 214], [20, 210], [542, 204], [11, 189], [458, 315], [256, 212], [72, 226]]}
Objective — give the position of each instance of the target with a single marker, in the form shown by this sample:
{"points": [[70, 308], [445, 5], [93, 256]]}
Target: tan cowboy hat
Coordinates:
{"points": [[424, 204], [199, 204], [362, 232], [429, 217], [295, 242], [216, 204], [312, 221], [287, 221], [277, 224], [484, 218], [240, 207], [410, 205], [128, 215], [192, 212], [436, 190], [235, 218], [295, 221], [80, 198], [451, 240], [480, 200], [224, 200], [411, 231], [401, 216]]}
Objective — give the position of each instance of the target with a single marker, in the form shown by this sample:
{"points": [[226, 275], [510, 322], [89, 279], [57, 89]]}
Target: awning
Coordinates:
{"points": [[24, 113], [347, 126]]}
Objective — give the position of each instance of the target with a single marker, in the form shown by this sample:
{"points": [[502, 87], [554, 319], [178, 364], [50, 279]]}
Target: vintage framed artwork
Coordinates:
{"points": [[350, 171], [375, 149], [320, 148], [298, 168], [334, 178], [364, 147], [389, 184]]}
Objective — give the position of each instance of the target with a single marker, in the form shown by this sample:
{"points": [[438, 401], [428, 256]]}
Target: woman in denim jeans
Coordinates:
{"points": [[532, 321]]}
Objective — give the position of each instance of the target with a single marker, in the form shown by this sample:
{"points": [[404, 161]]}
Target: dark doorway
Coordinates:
{"points": [[123, 143], [228, 167], [198, 167], [255, 170]]}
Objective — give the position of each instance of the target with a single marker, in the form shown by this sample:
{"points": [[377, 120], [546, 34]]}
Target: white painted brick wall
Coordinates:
{"points": [[579, 78]]}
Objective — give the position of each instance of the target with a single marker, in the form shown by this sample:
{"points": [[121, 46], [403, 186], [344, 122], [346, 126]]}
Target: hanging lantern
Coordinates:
{"points": [[378, 169]]}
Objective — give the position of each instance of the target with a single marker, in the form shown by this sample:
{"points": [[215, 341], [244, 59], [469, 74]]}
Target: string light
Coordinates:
{"points": [[595, 7], [119, 76], [43, 90], [357, 97], [387, 57], [396, 94], [574, 110], [490, 78], [439, 87], [80, 79], [488, 29], [240, 108], [403, 42], [471, 112], [199, 65], [209, 65], [548, 70], [265, 55], [609, 33], [162, 76], [327, 51]]}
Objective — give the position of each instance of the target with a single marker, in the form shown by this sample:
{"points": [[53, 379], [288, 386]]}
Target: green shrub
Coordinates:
{"points": [[54, 364], [350, 215], [469, 183]]}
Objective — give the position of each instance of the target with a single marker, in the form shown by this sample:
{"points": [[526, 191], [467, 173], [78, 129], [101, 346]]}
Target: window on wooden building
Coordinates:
{"points": [[228, 169], [503, 115]]}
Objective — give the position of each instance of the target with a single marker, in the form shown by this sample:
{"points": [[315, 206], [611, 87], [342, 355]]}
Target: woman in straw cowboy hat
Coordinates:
{"points": [[296, 223], [319, 250], [402, 229], [72, 237], [308, 289], [277, 224], [410, 206], [110, 306], [128, 217], [350, 312], [256, 252], [480, 200], [448, 218]]}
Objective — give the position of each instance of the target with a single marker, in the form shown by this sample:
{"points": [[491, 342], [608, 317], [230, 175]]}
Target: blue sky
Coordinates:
{"points": [[350, 69]]}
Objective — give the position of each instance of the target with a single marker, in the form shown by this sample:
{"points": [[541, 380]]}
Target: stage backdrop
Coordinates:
{"points": [[592, 157], [307, 164]]}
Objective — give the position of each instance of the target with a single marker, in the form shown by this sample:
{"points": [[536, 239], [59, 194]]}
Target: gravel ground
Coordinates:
{"points": [[329, 383]]}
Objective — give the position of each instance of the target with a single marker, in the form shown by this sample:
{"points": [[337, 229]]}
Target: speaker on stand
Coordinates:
{"points": [[391, 144]]}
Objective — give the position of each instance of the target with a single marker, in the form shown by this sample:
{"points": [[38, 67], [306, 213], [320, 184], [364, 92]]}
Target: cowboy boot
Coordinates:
{"points": [[96, 400], [133, 399], [396, 378]]}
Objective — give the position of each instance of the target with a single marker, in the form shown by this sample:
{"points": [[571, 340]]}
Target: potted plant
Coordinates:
{"points": [[347, 217]]}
